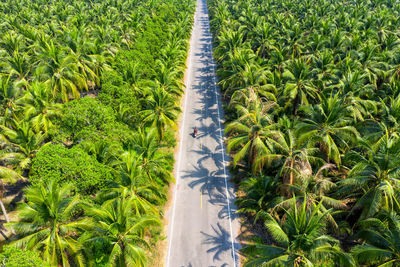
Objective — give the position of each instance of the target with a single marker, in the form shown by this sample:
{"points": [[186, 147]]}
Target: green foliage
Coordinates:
{"points": [[45, 224], [381, 236], [52, 54], [84, 113], [55, 163], [116, 225], [15, 257], [146, 49], [300, 238], [88, 119], [122, 97], [313, 92]]}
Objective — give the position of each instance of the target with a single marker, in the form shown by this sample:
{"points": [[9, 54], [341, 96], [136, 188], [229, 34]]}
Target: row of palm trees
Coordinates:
{"points": [[129, 56], [312, 105], [48, 223]]}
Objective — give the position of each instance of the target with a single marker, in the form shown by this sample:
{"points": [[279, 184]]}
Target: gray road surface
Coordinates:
{"points": [[203, 225]]}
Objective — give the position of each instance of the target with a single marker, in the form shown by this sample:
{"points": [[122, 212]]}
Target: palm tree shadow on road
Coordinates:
{"points": [[220, 243], [211, 183]]}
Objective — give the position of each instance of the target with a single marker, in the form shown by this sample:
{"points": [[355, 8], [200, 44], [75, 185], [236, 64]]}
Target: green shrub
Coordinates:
{"points": [[55, 162], [15, 257], [86, 113], [122, 98], [88, 119]]}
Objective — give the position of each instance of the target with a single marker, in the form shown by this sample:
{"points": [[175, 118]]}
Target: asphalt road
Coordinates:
{"points": [[203, 225]]}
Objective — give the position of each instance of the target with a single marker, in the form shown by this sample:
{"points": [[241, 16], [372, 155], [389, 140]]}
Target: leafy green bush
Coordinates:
{"points": [[55, 162], [121, 97], [15, 257], [88, 119], [84, 113]]}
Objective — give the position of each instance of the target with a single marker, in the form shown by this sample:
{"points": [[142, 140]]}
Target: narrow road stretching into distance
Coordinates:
{"points": [[203, 225]]}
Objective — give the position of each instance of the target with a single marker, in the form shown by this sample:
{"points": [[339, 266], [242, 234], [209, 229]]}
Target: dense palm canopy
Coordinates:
{"points": [[374, 179], [46, 224], [160, 111], [328, 124], [251, 128], [330, 139], [300, 240], [89, 101], [116, 225], [380, 237]]}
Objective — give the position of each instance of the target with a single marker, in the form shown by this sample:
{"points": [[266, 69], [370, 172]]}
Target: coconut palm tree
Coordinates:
{"points": [[160, 111], [19, 64], [10, 91], [11, 42], [229, 41], [144, 194], [81, 47], [260, 194], [300, 240], [328, 124], [299, 87], [115, 224], [6, 176], [373, 180], [166, 77], [21, 142], [290, 151], [150, 157], [379, 237], [251, 131], [314, 188], [39, 108], [240, 65], [390, 107], [60, 72], [103, 151], [47, 224], [143, 152]]}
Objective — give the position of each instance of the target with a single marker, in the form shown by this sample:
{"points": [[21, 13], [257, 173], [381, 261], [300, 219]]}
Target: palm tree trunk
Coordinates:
{"points": [[291, 176], [285, 182], [3, 209]]}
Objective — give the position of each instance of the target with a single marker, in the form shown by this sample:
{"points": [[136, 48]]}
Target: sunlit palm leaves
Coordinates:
{"points": [[329, 125], [332, 135], [60, 72], [116, 225], [374, 178], [160, 111], [252, 128], [51, 53], [38, 107], [300, 238], [380, 237], [46, 225], [21, 142]]}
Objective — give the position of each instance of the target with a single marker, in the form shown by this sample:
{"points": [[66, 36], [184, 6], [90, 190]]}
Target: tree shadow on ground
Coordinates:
{"points": [[219, 243]]}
